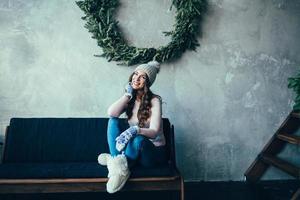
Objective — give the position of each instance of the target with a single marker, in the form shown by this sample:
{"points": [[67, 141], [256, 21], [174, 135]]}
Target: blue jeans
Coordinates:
{"points": [[139, 149]]}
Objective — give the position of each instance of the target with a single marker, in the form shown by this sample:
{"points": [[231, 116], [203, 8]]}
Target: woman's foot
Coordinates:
{"points": [[118, 173], [103, 157]]}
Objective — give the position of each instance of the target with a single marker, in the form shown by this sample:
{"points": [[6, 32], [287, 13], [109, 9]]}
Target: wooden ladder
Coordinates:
{"points": [[267, 157]]}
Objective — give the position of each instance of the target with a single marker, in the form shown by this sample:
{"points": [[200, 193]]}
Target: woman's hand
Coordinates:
{"points": [[124, 137], [129, 90], [118, 107]]}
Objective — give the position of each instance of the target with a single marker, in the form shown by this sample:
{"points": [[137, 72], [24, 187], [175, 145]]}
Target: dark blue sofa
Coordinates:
{"points": [[49, 155]]}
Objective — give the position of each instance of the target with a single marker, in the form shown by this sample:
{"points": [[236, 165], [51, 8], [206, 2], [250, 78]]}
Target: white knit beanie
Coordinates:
{"points": [[151, 69]]}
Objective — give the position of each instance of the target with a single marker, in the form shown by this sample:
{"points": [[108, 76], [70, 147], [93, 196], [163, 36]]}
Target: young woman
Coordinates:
{"points": [[142, 140]]}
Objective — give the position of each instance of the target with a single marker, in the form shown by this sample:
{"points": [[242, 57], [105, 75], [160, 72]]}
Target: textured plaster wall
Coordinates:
{"points": [[226, 100]]}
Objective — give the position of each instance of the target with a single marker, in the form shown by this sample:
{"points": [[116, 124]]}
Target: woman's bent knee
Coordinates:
{"points": [[138, 141], [113, 120]]}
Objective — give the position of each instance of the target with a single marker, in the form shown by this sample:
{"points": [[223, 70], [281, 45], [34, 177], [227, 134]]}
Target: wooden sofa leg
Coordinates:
{"points": [[296, 195], [181, 188]]}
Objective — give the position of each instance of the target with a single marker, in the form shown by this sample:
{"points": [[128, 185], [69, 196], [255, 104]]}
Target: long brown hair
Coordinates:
{"points": [[144, 111]]}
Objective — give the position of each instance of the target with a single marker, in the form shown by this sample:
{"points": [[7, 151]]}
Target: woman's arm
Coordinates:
{"points": [[118, 107], [155, 121]]}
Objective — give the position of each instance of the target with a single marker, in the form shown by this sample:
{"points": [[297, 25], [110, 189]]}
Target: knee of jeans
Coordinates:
{"points": [[113, 120], [138, 141]]}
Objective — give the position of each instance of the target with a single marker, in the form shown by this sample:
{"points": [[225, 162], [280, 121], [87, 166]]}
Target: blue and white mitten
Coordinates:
{"points": [[124, 137], [128, 90]]}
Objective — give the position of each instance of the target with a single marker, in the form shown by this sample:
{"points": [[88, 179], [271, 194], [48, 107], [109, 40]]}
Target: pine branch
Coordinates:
{"points": [[294, 84]]}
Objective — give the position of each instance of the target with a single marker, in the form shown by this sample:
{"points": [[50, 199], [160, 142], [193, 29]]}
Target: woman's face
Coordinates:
{"points": [[138, 80]]}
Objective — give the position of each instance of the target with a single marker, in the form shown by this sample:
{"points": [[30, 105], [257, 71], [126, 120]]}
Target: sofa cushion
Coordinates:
{"points": [[73, 170]]}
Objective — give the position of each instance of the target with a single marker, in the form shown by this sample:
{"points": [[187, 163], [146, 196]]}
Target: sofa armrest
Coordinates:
{"points": [[1, 151]]}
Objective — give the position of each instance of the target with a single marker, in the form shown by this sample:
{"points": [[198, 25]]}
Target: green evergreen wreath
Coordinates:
{"points": [[99, 15]]}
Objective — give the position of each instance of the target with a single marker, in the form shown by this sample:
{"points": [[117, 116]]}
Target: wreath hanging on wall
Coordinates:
{"points": [[99, 15]]}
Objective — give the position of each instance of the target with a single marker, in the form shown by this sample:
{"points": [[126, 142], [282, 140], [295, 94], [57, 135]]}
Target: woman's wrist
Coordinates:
{"points": [[127, 97]]}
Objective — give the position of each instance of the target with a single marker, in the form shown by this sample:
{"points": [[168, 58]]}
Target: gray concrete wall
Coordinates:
{"points": [[226, 100]]}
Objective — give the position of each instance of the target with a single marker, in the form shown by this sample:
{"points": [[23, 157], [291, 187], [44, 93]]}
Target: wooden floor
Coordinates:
{"points": [[266, 190]]}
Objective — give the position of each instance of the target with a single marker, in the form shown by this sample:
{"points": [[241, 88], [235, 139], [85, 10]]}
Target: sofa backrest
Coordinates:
{"points": [[30, 140]]}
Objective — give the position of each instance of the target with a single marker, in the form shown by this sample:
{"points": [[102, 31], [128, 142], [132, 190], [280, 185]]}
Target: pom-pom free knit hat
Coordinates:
{"points": [[151, 69]]}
